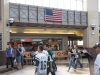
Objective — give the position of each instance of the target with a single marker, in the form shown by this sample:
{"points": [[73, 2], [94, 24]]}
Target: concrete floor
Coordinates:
{"points": [[62, 70]]}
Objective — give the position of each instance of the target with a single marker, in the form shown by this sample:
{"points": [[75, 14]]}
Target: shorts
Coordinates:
{"points": [[18, 59], [40, 73]]}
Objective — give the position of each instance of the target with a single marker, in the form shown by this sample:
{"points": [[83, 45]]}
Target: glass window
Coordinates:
{"points": [[38, 2], [80, 42], [53, 3], [67, 4], [99, 5], [79, 5], [13, 1], [84, 5], [73, 4], [60, 4], [99, 8], [29, 2], [46, 3], [21, 1]]}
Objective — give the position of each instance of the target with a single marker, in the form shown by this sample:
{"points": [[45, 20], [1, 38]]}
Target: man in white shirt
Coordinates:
{"points": [[97, 61], [40, 62], [22, 56]]}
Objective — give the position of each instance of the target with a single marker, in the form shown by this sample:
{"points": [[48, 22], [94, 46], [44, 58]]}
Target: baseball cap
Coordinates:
{"points": [[99, 45], [96, 45]]}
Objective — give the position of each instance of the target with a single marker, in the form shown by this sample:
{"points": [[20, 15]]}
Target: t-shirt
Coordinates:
{"points": [[23, 49], [44, 51], [85, 51], [78, 55], [51, 59], [17, 53], [97, 65], [40, 62], [71, 50], [9, 52]]}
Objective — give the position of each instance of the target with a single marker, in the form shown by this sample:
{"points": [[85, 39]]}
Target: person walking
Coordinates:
{"points": [[77, 56], [97, 61], [22, 55], [9, 55], [72, 58], [51, 65], [40, 62]]}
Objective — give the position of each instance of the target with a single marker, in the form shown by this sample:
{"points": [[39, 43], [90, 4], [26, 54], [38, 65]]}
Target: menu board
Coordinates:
{"points": [[0, 41]]}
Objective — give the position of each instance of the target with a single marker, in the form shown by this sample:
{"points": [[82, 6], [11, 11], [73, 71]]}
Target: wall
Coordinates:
{"points": [[2, 58], [4, 20]]}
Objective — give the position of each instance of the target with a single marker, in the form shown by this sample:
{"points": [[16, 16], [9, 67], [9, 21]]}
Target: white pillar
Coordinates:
{"points": [[3, 22], [93, 18]]}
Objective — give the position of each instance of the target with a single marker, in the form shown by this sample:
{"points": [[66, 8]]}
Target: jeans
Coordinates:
{"points": [[71, 63], [52, 73], [11, 61], [18, 59], [22, 61], [78, 61]]}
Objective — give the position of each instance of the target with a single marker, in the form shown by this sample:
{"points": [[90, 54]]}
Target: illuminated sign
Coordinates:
{"points": [[37, 40]]}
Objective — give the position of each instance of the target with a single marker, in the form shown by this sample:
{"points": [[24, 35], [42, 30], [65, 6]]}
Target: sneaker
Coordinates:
{"points": [[67, 70], [75, 70], [81, 67]]}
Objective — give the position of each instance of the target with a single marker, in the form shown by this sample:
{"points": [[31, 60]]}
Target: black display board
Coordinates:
{"points": [[0, 41]]}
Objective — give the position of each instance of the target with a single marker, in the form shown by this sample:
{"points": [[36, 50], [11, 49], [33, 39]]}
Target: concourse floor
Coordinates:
{"points": [[62, 70]]}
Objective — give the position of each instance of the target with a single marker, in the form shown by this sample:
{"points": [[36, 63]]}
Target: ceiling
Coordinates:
{"points": [[42, 30]]}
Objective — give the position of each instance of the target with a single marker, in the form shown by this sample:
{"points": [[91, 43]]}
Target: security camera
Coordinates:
{"points": [[92, 33], [10, 31], [93, 26], [11, 21]]}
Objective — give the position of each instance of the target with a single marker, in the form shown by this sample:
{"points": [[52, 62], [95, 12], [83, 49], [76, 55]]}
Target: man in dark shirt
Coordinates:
{"points": [[10, 55], [18, 56]]}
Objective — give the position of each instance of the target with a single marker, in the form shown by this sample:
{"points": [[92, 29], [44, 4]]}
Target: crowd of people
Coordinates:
{"points": [[44, 61], [74, 56], [15, 55], [43, 58]]}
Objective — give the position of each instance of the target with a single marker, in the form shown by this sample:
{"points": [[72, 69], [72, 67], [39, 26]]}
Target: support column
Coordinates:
{"points": [[4, 20], [64, 43], [75, 42], [72, 42], [93, 18]]}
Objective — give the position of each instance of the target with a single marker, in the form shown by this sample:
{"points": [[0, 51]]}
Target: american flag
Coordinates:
{"points": [[53, 15]]}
